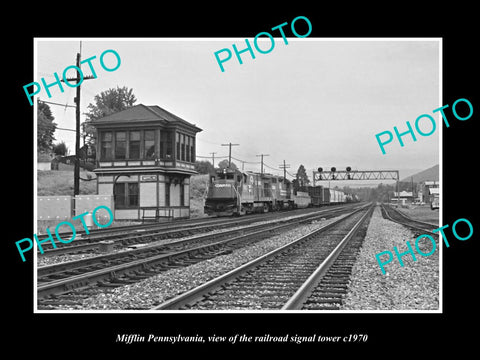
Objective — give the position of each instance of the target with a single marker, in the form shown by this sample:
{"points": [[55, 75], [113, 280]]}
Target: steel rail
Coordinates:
{"points": [[301, 295], [424, 226], [127, 233], [135, 234], [72, 282], [409, 218], [138, 227], [98, 259], [174, 224], [195, 294]]}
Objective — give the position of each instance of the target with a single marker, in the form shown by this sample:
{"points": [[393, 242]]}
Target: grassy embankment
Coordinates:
{"points": [[421, 212], [61, 182], [198, 185]]}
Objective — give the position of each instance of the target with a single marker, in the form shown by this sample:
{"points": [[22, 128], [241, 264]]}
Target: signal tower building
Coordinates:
{"points": [[145, 157]]}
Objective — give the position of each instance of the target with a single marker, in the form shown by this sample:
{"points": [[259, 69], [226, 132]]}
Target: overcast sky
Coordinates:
{"points": [[316, 102]]}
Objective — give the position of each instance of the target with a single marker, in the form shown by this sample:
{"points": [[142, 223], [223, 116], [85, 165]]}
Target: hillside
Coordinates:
{"points": [[198, 185], [60, 182], [432, 173]]}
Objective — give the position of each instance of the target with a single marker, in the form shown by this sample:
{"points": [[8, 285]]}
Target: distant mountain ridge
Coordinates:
{"points": [[432, 173]]}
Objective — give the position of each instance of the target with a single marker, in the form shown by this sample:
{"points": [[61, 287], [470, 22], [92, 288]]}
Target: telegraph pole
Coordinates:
{"points": [[213, 158], [230, 152], [413, 192], [284, 167], [262, 155], [79, 79], [76, 175]]}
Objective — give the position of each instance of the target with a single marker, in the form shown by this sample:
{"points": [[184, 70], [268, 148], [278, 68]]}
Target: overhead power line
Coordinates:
{"points": [[209, 157], [284, 166], [52, 103], [59, 128], [261, 156], [246, 162], [230, 152]]}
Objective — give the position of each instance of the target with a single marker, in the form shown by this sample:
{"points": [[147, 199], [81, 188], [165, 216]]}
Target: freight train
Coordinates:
{"points": [[234, 192]]}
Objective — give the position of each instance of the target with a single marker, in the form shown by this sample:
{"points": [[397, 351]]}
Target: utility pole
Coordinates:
{"points": [[413, 192], [213, 158], [284, 167], [230, 152], [76, 178], [79, 79], [262, 155]]}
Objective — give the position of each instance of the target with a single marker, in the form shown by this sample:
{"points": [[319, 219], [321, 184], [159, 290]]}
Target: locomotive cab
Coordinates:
{"points": [[223, 196]]}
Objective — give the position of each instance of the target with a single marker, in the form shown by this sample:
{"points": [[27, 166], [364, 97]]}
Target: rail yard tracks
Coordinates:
{"points": [[311, 272], [394, 215], [142, 234], [118, 269]]}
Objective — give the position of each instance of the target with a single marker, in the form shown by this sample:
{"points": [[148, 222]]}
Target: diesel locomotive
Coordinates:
{"points": [[234, 192]]}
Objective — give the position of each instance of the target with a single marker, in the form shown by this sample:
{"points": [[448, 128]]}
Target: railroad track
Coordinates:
{"points": [[118, 230], [289, 277], [130, 266], [394, 215], [129, 236], [132, 234]]}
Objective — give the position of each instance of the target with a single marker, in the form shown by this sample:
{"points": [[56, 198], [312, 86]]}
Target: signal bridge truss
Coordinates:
{"points": [[356, 175]]}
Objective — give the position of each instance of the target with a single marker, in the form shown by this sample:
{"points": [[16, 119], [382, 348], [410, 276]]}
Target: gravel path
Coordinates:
{"points": [[156, 289], [412, 287]]}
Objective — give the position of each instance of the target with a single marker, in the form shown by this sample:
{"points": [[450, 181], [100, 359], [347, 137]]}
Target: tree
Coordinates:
{"points": [[224, 165], [106, 103], [302, 177], [60, 148], [45, 127], [204, 167]]}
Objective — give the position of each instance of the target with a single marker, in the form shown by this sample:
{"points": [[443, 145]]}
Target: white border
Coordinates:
{"points": [[305, 312]]}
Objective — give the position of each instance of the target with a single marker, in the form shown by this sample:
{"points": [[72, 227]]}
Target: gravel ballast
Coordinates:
{"points": [[62, 258], [415, 286], [159, 288]]}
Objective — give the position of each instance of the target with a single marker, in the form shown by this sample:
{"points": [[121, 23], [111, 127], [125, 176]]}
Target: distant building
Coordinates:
{"points": [[427, 190], [403, 196], [145, 156], [434, 198], [44, 161]]}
